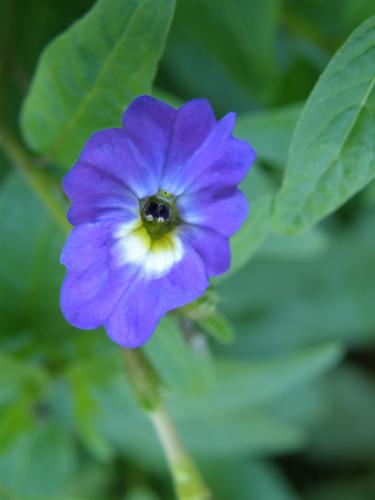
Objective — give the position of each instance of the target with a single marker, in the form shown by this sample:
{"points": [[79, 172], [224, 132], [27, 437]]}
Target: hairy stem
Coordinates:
{"points": [[145, 381]]}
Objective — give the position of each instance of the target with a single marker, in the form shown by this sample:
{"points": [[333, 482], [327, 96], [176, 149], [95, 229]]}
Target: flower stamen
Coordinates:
{"points": [[159, 214]]}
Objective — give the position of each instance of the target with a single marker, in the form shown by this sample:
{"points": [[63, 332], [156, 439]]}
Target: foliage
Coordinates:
{"points": [[270, 376]]}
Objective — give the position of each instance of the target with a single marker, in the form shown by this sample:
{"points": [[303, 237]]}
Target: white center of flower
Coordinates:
{"points": [[135, 246]]}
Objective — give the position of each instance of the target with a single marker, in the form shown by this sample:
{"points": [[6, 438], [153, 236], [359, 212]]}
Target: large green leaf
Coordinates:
{"points": [[88, 75], [332, 155]]}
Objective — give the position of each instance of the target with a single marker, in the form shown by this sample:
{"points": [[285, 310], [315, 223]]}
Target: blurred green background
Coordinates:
{"points": [[274, 393]]}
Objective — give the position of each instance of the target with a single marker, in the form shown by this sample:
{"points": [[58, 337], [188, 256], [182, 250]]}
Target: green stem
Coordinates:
{"points": [[142, 376], [38, 180], [145, 382]]}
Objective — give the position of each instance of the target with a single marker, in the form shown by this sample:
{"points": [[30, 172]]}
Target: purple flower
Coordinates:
{"points": [[153, 205]]}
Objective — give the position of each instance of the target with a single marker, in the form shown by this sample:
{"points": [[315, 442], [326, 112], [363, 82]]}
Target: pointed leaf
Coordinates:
{"points": [[332, 155], [88, 75]]}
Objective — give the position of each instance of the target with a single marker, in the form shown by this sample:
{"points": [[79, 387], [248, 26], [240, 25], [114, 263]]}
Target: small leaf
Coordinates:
{"points": [[88, 75], [332, 155], [183, 365], [217, 325]]}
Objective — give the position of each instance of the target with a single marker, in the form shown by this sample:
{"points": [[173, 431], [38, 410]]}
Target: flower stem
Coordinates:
{"points": [[146, 385]]}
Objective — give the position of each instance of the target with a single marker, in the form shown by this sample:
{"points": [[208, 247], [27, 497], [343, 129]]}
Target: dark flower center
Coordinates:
{"points": [[155, 210], [159, 214]]}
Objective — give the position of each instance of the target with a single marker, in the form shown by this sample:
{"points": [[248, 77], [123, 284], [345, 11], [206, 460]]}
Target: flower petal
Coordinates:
{"points": [[144, 303], [224, 211], [193, 124], [228, 168], [92, 286], [180, 171], [212, 247], [112, 152], [95, 195], [148, 123]]}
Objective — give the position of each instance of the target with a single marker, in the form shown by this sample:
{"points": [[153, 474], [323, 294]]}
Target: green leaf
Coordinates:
{"points": [[40, 462], [244, 384], [5, 494], [31, 321], [184, 365], [217, 325], [269, 132], [141, 493], [23, 386], [90, 73], [17, 376], [83, 377], [332, 155], [260, 480], [171, 99], [229, 419], [17, 419], [369, 194], [306, 245], [251, 433], [30, 273]]}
